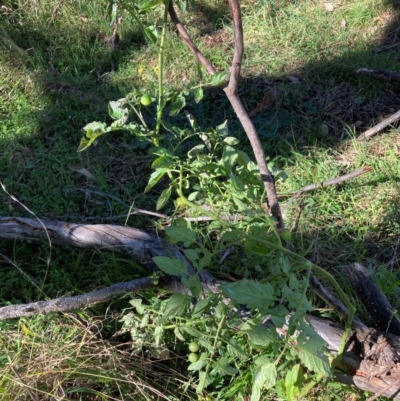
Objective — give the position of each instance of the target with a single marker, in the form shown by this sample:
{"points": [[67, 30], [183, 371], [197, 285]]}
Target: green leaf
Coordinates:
{"points": [[205, 261], [174, 267], [234, 349], [264, 379], [137, 304], [193, 284], [200, 307], [178, 102], [163, 199], [204, 381], [229, 158], [155, 177], [231, 140], [94, 129], [294, 381], [234, 235], [192, 331], [251, 293], [258, 335], [223, 368], [151, 33], [181, 234], [159, 331], [196, 366], [115, 110], [198, 94], [178, 333], [145, 5], [218, 78], [191, 254], [163, 161], [313, 358], [177, 305]]}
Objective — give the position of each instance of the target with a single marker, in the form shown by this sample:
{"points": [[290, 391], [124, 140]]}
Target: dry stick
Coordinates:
{"points": [[231, 93], [379, 127], [334, 181]]}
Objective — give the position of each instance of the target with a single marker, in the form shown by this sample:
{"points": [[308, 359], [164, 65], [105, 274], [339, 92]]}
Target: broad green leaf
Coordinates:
{"points": [[205, 261], [85, 143], [264, 379], [197, 150], [198, 94], [155, 177], [119, 123], [178, 102], [112, 8], [94, 129], [181, 234], [251, 293], [191, 254], [234, 235], [223, 368], [258, 335], [115, 110], [151, 33], [313, 357], [294, 381], [145, 5], [163, 198], [231, 140], [229, 158], [204, 381], [234, 349], [178, 333], [174, 267], [200, 307], [218, 78], [137, 304], [193, 284], [177, 305], [196, 366], [163, 161], [192, 331]]}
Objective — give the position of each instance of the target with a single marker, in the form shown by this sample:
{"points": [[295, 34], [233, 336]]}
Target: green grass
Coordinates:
{"points": [[58, 72]]}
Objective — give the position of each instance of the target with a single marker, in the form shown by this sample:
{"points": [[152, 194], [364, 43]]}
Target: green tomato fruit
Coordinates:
{"points": [[194, 347], [145, 100], [193, 357]]}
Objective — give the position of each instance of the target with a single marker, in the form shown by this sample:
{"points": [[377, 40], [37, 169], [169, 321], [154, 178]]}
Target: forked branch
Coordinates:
{"points": [[231, 93]]}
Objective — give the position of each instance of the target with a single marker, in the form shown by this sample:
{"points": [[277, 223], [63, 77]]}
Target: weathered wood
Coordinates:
{"points": [[371, 357], [376, 303]]}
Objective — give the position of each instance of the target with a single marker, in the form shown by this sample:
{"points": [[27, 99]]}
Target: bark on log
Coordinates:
{"points": [[371, 358]]}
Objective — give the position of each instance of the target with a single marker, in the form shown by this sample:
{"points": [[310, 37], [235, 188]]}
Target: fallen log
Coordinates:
{"points": [[371, 357]]}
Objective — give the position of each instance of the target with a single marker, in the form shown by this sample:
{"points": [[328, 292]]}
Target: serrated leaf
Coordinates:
{"points": [[198, 365], [174, 267], [192, 332], [119, 123], [94, 128], [251, 293], [218, 78], [115, 110], [198, 94], [313, 358], [223, 368], [178, 334], [178, 102], [200, 307], [177, 305], [137, 304], [181, 234], [264, 378], [191, 254], [204, 381], [163, 198], [155, 177], [258, 335], [163, 161], [234, 349]]}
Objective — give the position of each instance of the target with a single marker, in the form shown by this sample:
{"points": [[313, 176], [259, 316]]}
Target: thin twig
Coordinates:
{"points": [[334, 181], [379, 127]]}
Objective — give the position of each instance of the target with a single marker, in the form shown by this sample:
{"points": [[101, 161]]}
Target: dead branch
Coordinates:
{"points": [[379, 127], [333, 181]]}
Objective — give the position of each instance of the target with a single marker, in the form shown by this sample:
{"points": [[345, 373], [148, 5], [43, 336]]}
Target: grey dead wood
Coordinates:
{"points": [[371, 356]]}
